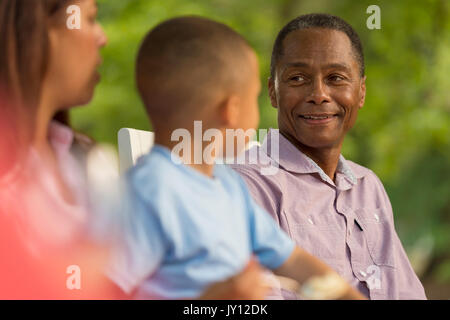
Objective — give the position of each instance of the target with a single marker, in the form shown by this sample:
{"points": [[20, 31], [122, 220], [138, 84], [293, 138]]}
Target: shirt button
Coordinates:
{"points": [[310, 221], [376, 217], [363, 273]]}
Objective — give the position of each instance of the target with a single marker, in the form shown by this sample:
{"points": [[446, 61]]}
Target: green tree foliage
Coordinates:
{"points": [[402, 132]]}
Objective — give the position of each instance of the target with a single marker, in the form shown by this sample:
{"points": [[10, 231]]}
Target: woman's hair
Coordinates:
{"points": [[24, 57], [25, 47], [24, 60]]}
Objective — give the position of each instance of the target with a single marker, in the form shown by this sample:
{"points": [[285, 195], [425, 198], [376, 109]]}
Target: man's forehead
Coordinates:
{"points": [[310, 46]]}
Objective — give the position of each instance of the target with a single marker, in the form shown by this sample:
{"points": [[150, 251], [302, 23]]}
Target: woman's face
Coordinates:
{"points": [[74, 55]]}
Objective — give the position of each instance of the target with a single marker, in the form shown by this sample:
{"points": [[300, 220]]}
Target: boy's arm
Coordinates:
{"points": [[308, 270]]}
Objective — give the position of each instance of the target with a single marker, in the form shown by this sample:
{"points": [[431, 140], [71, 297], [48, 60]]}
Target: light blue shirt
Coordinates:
{"points": [[185, 231]]}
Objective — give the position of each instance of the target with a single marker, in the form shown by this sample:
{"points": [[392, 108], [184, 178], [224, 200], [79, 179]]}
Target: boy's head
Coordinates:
{"points": [[192, 68]]}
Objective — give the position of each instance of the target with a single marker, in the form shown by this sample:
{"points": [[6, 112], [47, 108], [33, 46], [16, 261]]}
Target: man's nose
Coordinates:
{"points": [[318, 93]]}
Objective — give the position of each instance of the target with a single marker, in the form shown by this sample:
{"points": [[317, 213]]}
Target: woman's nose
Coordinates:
{"points": [[103, 39]]}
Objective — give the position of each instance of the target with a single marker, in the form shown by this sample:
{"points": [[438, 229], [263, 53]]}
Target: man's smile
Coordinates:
{"points": [[318, 118]]}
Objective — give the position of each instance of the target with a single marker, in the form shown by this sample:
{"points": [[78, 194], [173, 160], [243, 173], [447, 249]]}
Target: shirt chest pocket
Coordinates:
{"points": [[379, 234], [323, 240]]}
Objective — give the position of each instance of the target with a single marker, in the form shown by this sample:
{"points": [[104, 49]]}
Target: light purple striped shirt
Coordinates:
{"points": [[348, 223]]}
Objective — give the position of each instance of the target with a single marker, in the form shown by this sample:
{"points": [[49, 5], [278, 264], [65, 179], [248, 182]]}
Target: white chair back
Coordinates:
{"points": [[133, 143]]}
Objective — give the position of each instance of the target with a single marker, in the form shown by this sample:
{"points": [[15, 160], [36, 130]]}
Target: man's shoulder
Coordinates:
{"points": [[362, 172], [256, 163], [358, 170], [257, 174], [369, 183], [261, 178], [252, 169]]}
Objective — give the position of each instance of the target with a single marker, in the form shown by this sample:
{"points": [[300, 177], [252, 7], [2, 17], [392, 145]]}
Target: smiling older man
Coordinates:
{"points": [[334, 208]]}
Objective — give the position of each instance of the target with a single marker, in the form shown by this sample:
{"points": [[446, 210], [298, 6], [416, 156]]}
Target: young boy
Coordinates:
{"points": [[193, 223]]}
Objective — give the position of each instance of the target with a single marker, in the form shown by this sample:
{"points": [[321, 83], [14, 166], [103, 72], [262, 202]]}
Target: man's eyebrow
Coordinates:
{"points": [[341, 65]]}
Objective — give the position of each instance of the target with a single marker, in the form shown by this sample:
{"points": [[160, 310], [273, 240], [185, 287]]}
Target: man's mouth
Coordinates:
{"points": [[318, 118]]}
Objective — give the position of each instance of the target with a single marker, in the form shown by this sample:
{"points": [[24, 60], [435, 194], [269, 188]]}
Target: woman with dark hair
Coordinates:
{"points": [[46, 69]]}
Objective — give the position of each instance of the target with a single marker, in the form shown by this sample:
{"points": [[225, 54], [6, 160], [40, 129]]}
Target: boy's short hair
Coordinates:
{"points": [[187, 63]]}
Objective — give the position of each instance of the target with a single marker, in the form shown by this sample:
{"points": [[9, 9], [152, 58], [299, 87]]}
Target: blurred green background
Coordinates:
{"points": [[402, 133]]}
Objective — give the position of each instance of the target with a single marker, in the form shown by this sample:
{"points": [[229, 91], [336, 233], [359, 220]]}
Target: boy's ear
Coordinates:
{"points": [[230, 111], [272, 94]]}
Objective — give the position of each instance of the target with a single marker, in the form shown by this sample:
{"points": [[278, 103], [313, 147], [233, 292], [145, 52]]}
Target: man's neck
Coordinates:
{"points": [[202, 167], [326, 158]]}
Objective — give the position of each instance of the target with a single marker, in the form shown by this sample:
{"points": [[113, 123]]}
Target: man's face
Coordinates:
{"points": [[317, 87]]}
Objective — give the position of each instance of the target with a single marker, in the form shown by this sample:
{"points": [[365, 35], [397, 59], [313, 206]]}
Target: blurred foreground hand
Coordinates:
{"points": [[249, 284]]}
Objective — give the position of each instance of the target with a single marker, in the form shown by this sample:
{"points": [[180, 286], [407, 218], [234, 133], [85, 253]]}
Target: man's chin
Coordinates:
{"points": [[320, 142], [318, 137]]}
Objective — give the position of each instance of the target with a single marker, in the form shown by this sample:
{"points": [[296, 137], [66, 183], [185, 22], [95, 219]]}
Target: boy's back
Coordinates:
{"points": [[187, 231]]}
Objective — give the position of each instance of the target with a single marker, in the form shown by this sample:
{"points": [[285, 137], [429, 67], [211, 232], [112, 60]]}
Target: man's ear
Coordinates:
{"points": [[363, 92], [230, 111], [272, 93]]}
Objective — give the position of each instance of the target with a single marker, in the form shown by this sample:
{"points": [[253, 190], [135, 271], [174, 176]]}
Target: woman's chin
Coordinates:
{"points": [[81, 101]]}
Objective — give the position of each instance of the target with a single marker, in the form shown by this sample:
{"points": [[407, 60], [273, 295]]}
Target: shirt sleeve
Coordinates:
{"points": [[410, 287], [140, 246], [270, 244]]}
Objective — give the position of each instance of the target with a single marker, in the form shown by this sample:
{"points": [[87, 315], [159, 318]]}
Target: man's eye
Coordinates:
{"points": [[297, 78], [336, 78]]}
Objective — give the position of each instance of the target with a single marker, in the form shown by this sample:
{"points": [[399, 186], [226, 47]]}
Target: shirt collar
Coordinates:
{"points": [[293, 160], [60, 136]]}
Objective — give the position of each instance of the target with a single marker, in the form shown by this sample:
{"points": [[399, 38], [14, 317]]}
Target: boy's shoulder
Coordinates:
{"points": [[154, 173], [158, 167], [151, 165]]}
